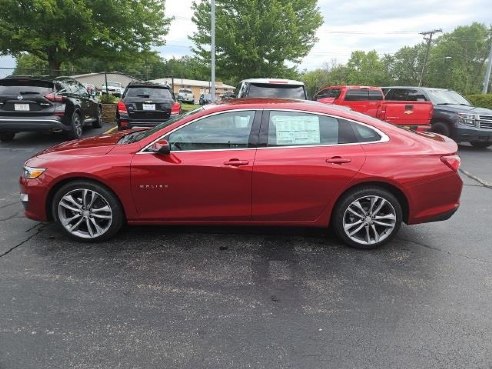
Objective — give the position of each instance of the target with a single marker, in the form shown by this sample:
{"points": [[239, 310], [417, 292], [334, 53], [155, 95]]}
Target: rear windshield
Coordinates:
{"points": [[149, 93], [24, 87], [281, 91]]}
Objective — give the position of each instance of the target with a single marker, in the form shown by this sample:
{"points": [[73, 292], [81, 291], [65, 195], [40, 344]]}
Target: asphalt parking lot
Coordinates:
{"points": [[193, 297]]}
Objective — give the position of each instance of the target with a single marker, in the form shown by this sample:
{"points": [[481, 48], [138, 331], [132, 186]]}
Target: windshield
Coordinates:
{"points": [[139, 135], [281, 91], [447, 97], [114, 84]]}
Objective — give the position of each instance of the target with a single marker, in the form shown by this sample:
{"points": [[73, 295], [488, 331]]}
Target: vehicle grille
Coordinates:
{"points": [[486, 121]]}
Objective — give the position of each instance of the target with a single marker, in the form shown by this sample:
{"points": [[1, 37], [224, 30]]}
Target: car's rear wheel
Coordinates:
{"points": [[75, 130], [480, 144], [87, 211], [367, 217], [7, 136], [441, 128], [98, 122]]}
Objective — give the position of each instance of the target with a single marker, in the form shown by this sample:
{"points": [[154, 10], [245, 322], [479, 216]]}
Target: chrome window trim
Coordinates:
{"points": [[384, 136]]}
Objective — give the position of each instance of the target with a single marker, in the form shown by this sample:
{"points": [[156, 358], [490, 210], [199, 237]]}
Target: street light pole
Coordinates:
{"points": [[487, 73], [212, 47]]}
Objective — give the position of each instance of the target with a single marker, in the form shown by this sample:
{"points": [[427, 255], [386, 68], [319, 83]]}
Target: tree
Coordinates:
{"points": [[366, 69], [256, 38], [60, 31]]}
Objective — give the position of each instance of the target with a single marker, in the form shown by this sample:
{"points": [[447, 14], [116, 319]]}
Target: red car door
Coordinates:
{"points": [[304, 166], [206, 177]]}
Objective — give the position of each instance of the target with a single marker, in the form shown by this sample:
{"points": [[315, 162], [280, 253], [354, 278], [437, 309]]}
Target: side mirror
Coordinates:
{"points": [[160, 147]]}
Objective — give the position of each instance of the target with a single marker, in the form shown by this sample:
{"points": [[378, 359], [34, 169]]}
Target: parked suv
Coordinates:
{"points": [[146, 104], [453, 115], [186, 95], [269, 87], [59, 104]]}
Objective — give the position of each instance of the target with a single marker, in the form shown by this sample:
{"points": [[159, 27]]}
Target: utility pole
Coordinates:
{"points": [[212, 47], [427, 37], [487, 73]]}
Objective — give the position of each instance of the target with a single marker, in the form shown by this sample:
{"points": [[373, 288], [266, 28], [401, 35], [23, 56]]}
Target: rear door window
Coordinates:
{"points": [[301, 129], [149, 93], [329, 93], [357, 95]]}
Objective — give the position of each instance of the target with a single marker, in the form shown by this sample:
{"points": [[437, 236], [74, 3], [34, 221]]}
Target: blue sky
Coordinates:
{"points": [[381, 25]]}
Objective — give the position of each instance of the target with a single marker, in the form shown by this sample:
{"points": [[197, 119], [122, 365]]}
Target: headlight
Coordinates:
{"points": [[32, 173], [468, 119]]}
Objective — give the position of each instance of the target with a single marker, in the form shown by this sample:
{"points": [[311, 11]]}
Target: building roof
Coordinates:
{"points": [[191, 82]]}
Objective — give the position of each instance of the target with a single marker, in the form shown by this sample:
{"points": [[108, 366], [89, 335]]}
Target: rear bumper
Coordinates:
{"points": [[12, 124]]}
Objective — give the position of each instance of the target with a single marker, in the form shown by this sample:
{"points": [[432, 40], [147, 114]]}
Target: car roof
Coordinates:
{"points": [[354, 87], [422, 88], [273, 81]]}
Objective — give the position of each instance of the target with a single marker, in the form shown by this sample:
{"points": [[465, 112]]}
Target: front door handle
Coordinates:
{"points": [[236, 162], [338, 160]]}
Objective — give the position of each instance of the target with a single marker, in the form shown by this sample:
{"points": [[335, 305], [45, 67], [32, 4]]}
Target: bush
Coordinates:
{"points": [[108, 99], [482, 101]]}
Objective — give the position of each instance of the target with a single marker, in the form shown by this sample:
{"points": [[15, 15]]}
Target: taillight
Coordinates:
{"points": [[452, 161], [176, 108], [54, 97], [122, 108]]}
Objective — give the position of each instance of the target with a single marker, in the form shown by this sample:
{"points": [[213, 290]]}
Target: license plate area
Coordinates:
{"points": [[21, 107], [148, 106]]}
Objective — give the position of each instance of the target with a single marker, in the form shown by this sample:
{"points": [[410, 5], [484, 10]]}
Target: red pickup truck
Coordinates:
{"points": [[370, 100]]}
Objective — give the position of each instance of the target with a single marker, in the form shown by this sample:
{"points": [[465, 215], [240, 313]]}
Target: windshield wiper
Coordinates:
{"points": [[447, 103]]}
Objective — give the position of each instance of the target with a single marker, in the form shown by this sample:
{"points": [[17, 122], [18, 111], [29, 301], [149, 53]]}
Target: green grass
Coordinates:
{"points": [[188, 107]]}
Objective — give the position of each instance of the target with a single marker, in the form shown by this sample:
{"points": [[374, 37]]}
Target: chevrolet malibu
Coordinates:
{"points": [[249, 162]]}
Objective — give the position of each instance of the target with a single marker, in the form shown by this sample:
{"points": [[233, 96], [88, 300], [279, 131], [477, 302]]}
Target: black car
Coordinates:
{"points": [[59, 104], [453, 115], [146, 104]]}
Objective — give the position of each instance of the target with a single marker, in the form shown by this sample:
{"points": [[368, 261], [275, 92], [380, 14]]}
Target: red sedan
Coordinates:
{"points": [[249, 162]]}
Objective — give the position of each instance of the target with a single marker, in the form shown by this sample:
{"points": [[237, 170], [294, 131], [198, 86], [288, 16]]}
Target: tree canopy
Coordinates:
{"points": [[256, 38], [60, 31], [456, 61]]}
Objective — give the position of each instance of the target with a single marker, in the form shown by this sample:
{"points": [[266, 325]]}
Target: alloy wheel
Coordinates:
{"points": [[85, 213], [369, 220]]}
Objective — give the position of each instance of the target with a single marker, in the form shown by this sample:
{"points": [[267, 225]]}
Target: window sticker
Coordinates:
{"points": [[297, 129]]}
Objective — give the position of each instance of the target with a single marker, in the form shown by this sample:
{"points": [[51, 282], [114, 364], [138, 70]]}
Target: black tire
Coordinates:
{"points": [[98, 122], [89, 213], [441, 128], [75, 131], [7, 136], [366, 222], [480, 144]]}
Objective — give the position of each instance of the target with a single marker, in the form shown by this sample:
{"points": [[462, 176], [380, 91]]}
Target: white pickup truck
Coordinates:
{"points": [[113, 88], [186, 95]]}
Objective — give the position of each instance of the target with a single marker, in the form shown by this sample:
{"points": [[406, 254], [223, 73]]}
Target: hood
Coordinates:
{"points": [[463, 109], [87, 146]]}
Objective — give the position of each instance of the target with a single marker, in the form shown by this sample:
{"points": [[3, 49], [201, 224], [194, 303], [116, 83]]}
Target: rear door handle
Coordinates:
{"points": [[338, 160], [236, 162]]}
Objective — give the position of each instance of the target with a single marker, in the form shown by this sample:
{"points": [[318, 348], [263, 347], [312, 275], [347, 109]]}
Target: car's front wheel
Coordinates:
{"points": [[367, 217], [87, 211]]}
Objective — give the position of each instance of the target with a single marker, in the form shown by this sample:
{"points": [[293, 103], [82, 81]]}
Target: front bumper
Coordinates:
{"points": [[466, 133], [35, 124], [33, 197]]}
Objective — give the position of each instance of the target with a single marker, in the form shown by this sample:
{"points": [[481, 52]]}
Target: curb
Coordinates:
{"points": [[479, 180]]}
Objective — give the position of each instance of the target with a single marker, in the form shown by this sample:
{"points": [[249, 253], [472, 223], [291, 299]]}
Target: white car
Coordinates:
{"points": [[271, 87], [113, 88]]}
